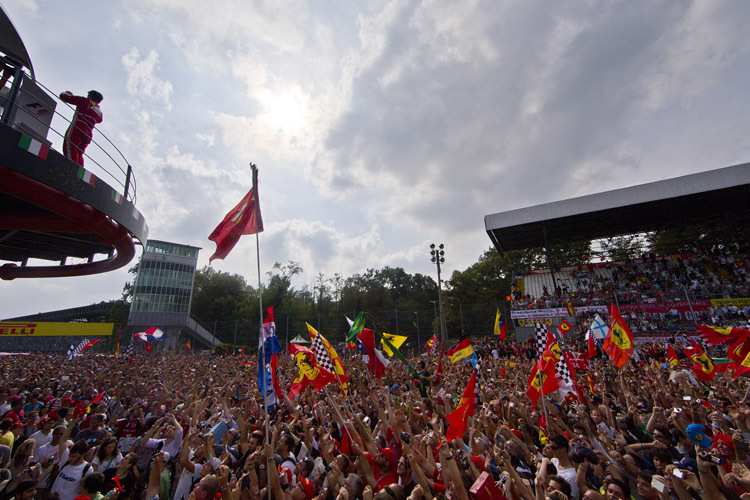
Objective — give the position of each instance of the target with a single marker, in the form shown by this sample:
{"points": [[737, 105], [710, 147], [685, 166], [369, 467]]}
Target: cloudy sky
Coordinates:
{"points": [[381, 126]]}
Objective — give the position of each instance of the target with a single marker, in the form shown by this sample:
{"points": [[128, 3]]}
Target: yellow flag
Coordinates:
{"points": [[396, 340]]}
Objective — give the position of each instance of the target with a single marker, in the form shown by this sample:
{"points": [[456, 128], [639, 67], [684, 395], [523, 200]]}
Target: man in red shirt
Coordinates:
{"points": [[88, 114]]}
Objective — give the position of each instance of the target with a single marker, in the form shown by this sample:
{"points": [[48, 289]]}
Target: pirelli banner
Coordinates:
{"points": [[46, 329]]}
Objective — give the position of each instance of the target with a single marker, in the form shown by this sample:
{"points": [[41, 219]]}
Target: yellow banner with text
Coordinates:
{"points": [[48, 329]]}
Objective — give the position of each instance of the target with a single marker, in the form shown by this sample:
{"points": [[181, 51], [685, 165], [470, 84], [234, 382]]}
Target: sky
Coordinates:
{"points": [[379, 127]]}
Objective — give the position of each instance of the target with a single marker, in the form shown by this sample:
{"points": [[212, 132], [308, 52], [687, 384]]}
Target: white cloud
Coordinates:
{"points": [[142, 81], [206, 139]]}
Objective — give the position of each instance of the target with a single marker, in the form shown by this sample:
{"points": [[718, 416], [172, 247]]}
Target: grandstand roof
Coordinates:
{"points": [[93, 313], [722, 194]]}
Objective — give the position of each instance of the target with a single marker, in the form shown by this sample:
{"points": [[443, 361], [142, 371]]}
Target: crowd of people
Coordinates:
{"points": [[193, 426], [649, 280]]}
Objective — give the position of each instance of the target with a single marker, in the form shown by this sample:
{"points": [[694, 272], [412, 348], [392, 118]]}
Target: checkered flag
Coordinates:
{"points": [[75, 351], [321, 354], [541, 338], [563, 371], [129, 350]]}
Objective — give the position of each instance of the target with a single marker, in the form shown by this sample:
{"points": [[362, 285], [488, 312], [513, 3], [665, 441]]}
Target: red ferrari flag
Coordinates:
{"points": [[243, 219], [704, 367], [713, 335], [551, 354], [309, 371], [742, 368], [619, 343], [564, 327], [542, 383], [459, 418], [672, 356], [738, 350]]}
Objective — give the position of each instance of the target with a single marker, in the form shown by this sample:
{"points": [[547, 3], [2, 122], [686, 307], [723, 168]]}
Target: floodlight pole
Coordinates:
{"points": [[438, 257]]}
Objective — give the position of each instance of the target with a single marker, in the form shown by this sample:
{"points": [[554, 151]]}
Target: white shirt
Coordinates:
{"points": [[172, 448], [69, 480], [41, 438], [108, 464], [570, 476]]}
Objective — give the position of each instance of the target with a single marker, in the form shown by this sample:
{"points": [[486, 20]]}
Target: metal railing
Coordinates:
{"points": [[117, 168]]}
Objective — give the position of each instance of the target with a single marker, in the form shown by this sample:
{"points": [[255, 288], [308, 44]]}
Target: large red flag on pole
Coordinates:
{"points": [[243, 219]]}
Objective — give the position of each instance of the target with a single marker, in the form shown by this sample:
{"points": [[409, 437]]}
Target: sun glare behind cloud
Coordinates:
{"points": [[286, 111]]}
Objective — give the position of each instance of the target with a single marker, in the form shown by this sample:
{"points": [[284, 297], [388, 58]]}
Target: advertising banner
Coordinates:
{"points": [[741, 303], [47, 329]]}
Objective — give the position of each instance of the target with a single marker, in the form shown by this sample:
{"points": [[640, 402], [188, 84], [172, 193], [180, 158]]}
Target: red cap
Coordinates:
{"points": [[17, 425], [68, 401], [390, 455]]}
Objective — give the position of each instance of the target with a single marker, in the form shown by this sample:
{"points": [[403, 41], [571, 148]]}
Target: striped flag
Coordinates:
{"points": [[33, 146], [117, 197], [501, 327], [86, 176]]}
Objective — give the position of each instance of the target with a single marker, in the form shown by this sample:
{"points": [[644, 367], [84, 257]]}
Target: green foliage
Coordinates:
{"points": [[127, 289], [732, 236], [385, 289], [621, 248], [118, 313], [221, 296]]}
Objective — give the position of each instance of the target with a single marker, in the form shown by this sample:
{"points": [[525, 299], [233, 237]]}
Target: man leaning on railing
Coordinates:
{"points": [[87, 115]]}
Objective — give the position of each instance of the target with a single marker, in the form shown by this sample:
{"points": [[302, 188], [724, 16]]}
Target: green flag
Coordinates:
{"points": [[357, 327]]}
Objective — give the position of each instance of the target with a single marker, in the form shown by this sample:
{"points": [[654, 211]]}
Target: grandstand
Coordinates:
{"points": [[682, 288]]}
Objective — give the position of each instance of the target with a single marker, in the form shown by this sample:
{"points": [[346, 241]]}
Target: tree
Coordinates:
{"points": [[127, 289], [703, 238], [118, 313], [279, 292], [621, 248], [219, 296], [389, 288]]}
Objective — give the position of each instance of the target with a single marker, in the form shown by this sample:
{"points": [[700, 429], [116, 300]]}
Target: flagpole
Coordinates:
{"points": [[262, 351], [692, 312], [341, 386], [541, 389], [336, 409]]}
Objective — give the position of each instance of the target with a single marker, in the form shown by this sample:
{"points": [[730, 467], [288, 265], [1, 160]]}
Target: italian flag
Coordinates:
{"points": [[86, 176], [116, 197], [33, 146]]}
